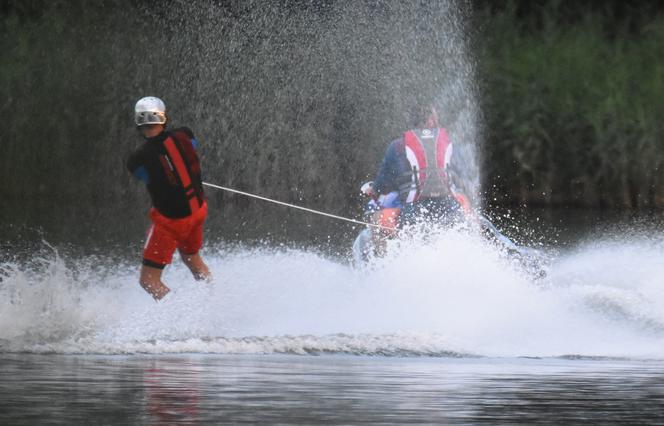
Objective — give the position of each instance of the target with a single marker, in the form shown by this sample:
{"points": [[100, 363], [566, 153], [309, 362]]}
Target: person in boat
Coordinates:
{"points": [[413, 183], [168, 164]]}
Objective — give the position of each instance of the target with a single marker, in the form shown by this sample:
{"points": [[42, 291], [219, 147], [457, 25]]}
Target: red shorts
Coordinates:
{"points": [[166, 234]]}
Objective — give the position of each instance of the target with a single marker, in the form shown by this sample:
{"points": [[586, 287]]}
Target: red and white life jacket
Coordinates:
{"points": [[429, 153]]}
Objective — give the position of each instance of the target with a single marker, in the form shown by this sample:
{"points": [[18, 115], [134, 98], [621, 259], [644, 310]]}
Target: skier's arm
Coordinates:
{"points": [[386, 178]]}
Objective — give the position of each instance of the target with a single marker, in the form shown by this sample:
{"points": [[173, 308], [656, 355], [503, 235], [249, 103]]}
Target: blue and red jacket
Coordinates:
{"points": [[416, 166]]}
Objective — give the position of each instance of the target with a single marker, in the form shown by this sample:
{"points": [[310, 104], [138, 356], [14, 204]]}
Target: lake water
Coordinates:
{"points": [[291, 389], [450, 331]]}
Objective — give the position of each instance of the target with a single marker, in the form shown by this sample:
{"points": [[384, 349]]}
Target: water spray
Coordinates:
{"points": [[483, 221]]}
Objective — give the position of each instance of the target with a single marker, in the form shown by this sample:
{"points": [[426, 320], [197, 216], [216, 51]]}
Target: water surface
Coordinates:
{"points": [[448, 331], [328, 389]]}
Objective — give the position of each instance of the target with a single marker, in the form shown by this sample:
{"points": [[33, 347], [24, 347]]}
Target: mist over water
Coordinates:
{"points": [[457, 295], [296, 101]]}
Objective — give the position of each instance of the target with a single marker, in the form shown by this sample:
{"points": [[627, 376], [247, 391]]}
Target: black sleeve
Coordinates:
{"points": [[134, 161]]}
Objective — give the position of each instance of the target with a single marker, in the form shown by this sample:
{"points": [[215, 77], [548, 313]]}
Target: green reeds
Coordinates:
{"points": [[574, 111]]}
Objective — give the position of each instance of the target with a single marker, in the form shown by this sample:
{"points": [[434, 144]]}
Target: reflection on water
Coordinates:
{"points": [[172, 391], [334, 389]]}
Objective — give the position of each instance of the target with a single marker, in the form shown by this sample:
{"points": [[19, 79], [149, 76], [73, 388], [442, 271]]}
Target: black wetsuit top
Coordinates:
{"points": [[172, 176]]}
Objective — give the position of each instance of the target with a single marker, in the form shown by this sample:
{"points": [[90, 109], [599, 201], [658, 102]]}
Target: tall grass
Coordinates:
{"points": [[574, 110]]}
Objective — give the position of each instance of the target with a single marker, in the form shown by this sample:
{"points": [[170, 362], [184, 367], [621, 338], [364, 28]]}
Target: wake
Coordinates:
{"points": [[455, 296]]}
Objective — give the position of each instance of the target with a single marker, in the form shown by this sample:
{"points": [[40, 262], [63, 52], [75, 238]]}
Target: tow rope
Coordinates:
{"points": [[509, 244], [318, 212]]}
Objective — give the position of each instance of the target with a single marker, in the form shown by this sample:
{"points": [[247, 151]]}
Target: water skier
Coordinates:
{"points": [[169, 166]]}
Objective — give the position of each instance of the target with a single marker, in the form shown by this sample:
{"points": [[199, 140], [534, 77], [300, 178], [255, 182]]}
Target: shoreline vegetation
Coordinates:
{"points": [[574, 104], [571, 99]]}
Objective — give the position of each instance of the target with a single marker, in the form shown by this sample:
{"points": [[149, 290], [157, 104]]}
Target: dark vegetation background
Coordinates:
{"points": [[573, 95], [296, 100]]}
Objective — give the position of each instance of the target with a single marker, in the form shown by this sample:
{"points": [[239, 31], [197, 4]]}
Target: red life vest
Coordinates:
{"points": [[188, 171], [429, 152]]}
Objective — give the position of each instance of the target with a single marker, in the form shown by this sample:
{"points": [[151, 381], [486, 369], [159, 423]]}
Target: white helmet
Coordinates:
{"points": [[149, 110]]}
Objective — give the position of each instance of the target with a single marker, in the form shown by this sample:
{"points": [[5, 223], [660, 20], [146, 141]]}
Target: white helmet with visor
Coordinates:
{"points": [[149, 110]]}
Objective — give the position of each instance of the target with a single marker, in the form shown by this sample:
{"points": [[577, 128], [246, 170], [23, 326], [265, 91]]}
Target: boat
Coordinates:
{"points": [[532, 261]]}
